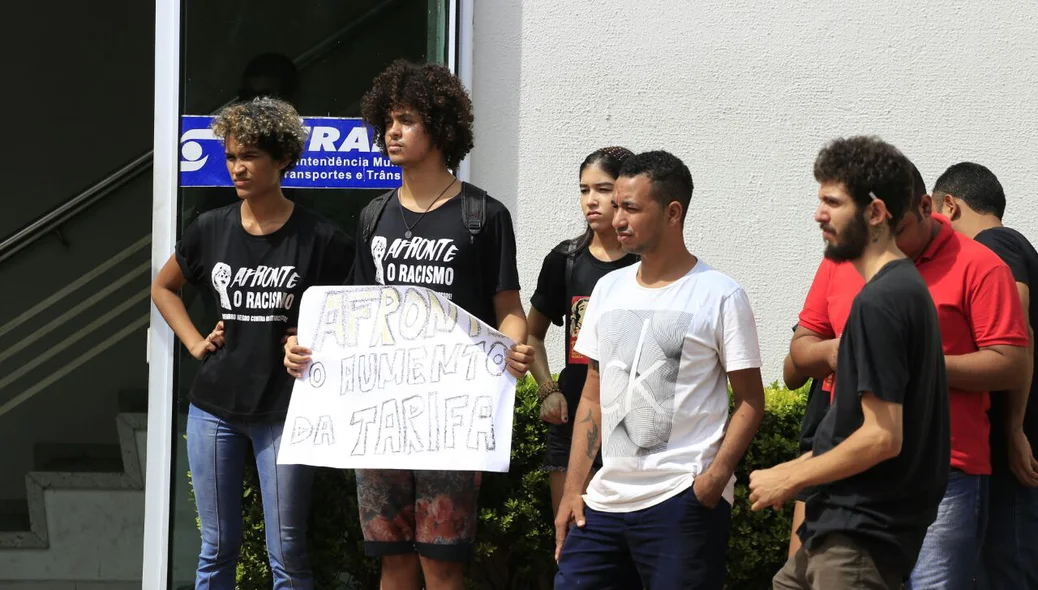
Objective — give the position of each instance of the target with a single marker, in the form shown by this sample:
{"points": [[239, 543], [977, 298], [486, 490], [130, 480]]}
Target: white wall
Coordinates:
{"points": [[746, 93]]}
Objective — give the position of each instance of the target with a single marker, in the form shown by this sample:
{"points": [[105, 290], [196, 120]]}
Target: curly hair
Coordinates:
{"points": [[437, 97], [865, 165], [269, 124]]}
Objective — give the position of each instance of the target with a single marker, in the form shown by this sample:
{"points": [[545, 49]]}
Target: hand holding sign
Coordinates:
{"points": [[398, 378], [520, 357], [296, 357]]}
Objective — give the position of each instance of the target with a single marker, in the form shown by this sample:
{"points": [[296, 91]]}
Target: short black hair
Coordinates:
{"points": [[869, 166], [669, 177], [974, 184], [435, 94], [918, 186]]}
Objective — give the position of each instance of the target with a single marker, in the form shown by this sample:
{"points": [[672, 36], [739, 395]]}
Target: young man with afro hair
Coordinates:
{"points": [[451, 237]]}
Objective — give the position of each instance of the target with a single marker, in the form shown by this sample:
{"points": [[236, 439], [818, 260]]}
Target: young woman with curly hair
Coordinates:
{"points": [[569, 274], [256, 257], [425, 521]]}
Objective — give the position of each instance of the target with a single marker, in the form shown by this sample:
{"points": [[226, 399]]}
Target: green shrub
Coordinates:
{"points": [[516, 537], [515, 541], [760, 540]]}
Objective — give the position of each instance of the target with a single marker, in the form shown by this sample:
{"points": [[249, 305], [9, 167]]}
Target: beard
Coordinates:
{"points": [[853, 240]]}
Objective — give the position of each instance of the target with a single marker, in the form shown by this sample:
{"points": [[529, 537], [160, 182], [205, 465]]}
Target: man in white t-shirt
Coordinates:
{"points": [[665, 336]]}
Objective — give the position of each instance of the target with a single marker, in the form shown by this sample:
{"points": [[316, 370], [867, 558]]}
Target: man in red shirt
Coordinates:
{"points": [[985, 343]]}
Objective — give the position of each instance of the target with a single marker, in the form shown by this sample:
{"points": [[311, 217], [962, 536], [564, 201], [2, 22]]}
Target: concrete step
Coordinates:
{"points": [[82, 525], [82, 458]]}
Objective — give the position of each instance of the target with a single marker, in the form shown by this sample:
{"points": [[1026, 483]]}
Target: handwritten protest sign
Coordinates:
{"points": [[400, 378]]}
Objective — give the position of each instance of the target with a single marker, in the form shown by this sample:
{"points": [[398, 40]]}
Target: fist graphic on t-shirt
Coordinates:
{"points": [[378, 253], [221, 280]]}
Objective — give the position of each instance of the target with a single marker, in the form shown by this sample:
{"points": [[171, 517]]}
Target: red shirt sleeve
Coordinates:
{"points": [[815, 315], [995, 313]]}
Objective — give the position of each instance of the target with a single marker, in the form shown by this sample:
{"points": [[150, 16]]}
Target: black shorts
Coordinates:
{"points": [[560, 437]]}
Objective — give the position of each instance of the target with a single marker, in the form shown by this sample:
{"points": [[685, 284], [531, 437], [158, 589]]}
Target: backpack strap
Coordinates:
{"points": [[366, 225], [569, 268], [570, 250], [370, 215], [473, 210]]}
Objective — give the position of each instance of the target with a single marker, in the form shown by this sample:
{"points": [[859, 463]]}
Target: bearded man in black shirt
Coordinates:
{"points": [[879, 460]]}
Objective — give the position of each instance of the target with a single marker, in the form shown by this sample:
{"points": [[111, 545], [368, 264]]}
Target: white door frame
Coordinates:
{"points": [[161, 344], [459, 55], [157, 489]]}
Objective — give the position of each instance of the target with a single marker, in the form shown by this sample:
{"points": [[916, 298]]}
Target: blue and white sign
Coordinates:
{"points": [[339, 153]]}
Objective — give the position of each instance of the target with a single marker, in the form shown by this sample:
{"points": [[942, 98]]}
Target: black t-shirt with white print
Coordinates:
{"points": [[441, 254], [564, 303], [891, 346], [257, 282], [1018, 253]]}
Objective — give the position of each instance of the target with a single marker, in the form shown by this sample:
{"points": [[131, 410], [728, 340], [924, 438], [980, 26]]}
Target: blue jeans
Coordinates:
{"points": [[950, 556], [1010, 557], [216, 452], [678, 543]]}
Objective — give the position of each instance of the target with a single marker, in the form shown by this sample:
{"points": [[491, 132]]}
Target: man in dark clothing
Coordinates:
{"points": [[879, 457], [972, 198]]}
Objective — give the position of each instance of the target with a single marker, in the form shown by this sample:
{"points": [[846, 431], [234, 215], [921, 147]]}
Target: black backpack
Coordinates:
{"points": [[473, 212], [570, 250]]}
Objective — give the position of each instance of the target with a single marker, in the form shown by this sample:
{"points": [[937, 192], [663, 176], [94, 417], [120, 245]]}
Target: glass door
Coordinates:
{"points": [[321, 56]]}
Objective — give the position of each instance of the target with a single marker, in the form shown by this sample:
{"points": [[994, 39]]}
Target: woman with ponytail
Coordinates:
{"points": [[568, 275]]}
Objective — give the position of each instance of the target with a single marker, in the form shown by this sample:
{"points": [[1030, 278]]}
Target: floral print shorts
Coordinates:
{"points": [[432, 513]]}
